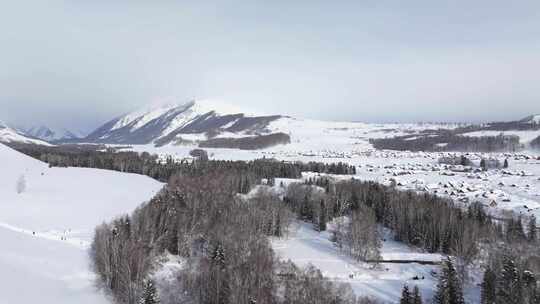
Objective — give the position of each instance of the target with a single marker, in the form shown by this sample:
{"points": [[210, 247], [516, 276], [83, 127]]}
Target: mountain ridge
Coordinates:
{"points": [[49, 134], [165, 124]]}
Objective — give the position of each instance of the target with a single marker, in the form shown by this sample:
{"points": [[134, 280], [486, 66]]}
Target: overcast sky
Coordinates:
{"points": [[80, 63]]}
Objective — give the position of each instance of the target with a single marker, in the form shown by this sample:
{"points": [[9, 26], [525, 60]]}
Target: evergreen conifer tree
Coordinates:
{"points": [[150, 294], [322, 217], [531, 229], [449, 287], [405, 296], [416, 297], [483, 164], [489, 287], [509, 289]]}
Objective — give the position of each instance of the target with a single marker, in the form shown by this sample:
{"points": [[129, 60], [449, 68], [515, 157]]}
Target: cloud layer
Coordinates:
{"points": [[77, 64]]}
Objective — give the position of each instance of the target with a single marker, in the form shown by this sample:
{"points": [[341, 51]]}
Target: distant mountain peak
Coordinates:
{"points": [[50, 134], [165, 122]]}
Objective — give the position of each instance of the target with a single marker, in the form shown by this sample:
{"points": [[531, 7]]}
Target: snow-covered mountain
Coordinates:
{"points": [[195, 120], [50, 134], [10, 135], [532, 119]]}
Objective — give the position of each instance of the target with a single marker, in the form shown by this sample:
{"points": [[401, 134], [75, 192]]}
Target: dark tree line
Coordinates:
{"points": [[332, 168], [248, 143], [101, 157], [448, 141]]}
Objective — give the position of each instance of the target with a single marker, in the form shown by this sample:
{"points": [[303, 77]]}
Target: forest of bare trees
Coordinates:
{"points": [[224, 240]]}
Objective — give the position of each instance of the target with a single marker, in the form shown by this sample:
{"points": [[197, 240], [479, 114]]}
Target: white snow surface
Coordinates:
{"points": [[46, 230]]}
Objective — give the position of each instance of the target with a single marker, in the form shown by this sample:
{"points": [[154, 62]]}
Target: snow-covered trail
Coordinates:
{"points": [[37, 270], [64, 237], [46, 230]]}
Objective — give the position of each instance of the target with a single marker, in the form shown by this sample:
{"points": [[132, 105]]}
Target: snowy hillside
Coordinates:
{"points": [[9, 135], [47, 227]]}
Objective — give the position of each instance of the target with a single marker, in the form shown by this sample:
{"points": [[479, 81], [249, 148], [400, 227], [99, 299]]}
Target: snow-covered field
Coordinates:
{"points": [[383, 281], [45, 231]]}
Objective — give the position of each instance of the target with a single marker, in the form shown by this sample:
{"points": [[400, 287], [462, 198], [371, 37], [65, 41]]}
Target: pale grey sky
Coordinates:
{"points": [[80, 63]]}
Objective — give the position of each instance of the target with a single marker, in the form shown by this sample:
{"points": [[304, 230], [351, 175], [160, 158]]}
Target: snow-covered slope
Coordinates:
{"points": [[46, 229], [50, 134], [9, 135], [167, 123]]}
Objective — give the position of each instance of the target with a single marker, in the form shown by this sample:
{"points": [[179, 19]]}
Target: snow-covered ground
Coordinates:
{"points": [[45, 231], [384, 281]]}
